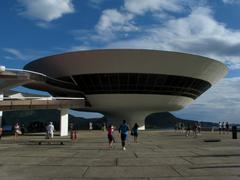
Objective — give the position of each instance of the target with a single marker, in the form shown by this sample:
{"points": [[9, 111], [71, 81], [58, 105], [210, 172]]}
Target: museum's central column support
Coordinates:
{"points": [[63, 122], [1, 113], [130, 116]]}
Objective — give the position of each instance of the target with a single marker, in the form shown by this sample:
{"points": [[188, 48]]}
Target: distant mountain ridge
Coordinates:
{"points": [[166, 120]]}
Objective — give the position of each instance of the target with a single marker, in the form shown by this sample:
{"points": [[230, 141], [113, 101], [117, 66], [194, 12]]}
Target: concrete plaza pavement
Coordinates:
{"points": [[158, 155]]}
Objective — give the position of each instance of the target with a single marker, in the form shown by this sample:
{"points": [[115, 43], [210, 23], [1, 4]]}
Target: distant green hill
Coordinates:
{"points": [[166, 120]]}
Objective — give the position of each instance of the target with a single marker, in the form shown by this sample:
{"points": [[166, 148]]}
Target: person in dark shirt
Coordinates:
{"points": [[123, 130], [135, 132], [188, 129], [227, 127], [1, 132]]}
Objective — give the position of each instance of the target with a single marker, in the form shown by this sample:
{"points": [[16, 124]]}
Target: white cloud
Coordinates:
{"points": [[220, 103], [223, 95], [142, 6], [46, 10], [231, 1], [112, 21], [44, 25], [24, 54], [96, 3], [13, 54], [79, 48], [197, 33]]}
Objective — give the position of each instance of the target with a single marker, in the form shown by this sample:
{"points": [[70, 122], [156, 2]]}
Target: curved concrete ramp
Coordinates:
{"points": [[11, 78]]}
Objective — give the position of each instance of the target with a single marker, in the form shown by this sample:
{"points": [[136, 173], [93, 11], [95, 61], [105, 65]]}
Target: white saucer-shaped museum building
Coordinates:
{"points": [[132, 83]]}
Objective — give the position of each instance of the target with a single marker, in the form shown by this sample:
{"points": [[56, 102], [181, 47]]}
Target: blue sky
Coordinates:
{"points": [[31, 29]]}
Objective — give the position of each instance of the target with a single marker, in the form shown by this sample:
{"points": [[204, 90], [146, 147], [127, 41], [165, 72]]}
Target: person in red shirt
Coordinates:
{"points": [[110, 130]]}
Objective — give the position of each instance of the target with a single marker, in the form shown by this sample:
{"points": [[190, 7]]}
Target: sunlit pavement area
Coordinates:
{"points": [[158, 155]]}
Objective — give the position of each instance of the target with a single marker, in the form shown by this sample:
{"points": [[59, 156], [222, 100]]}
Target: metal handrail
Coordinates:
{"points": [[22, 70]]}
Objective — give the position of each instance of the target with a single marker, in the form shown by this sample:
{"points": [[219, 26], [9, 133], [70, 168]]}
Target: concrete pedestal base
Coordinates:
{"points": [[63, 122], [132, 117]]}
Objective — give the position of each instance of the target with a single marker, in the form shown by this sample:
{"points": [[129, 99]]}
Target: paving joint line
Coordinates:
{"points": [[213, 167]]}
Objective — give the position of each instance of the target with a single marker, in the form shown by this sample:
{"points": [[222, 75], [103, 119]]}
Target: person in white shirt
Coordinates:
{"points": [[50, 130], [219, 127], [90, 126], [17, 130], [223, 127]]}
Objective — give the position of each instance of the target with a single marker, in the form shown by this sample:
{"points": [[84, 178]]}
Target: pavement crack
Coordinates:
{"points": [[176, 170], [84, 173], [135, 154], [187, 160]]}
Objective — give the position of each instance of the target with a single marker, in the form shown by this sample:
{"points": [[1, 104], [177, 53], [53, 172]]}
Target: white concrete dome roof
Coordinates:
{"points": [[129, 61]]}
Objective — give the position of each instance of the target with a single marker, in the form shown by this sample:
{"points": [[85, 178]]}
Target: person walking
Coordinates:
{"points": [[17, 130], [188, 130], [90, 126], [220, 127], [1, 132], [134, 132], [199, 126], [50, 130], [123, 130], [194, 129], [110, 135], [227, 127], [182, 127], [176, 127], [104, 126], [22, 128], [223, 127]]}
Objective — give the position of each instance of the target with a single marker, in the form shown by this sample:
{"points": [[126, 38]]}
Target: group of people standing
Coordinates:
{"points": [[223, 127], [20, 130], [123, 131], [195, 128]]}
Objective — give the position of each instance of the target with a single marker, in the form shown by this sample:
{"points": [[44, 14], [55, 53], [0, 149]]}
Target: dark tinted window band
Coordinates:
{"points": [[139, 83], [58, 83]]}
